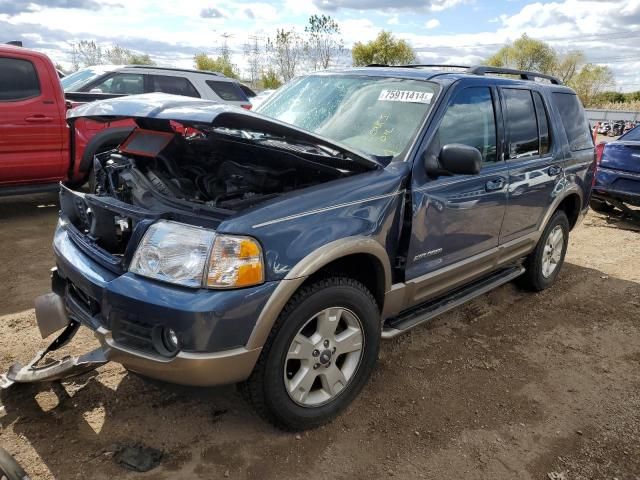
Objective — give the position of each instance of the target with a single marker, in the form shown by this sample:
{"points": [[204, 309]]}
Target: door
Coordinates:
{"points": [[457, 218], [531, 158], [31, 128]]}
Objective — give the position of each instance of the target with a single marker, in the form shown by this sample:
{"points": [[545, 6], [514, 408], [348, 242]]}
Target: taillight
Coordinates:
{"points": [[246, 106], [599, 151]]}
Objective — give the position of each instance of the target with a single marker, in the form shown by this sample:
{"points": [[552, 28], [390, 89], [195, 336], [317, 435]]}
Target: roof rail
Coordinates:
{"points": [[176, 69], [524, 74], [418, 65]]}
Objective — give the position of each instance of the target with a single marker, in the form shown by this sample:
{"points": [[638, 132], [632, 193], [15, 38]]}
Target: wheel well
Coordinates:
{"points": [[362, 267], [571, 206]]}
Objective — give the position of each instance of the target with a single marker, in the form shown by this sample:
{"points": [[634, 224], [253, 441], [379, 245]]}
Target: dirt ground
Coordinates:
{"points": [[511, 386]]}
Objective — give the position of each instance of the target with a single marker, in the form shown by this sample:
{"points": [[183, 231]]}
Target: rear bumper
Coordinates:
{"points": [[126, 311], [617, 184]]}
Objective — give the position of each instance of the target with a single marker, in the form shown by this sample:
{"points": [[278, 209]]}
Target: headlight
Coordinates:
{"points": [[196, 257], [235, 262]]}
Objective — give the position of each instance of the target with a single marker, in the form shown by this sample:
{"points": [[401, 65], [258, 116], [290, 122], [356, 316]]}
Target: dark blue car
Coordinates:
{"points": [[276, 248], [618, 175]]}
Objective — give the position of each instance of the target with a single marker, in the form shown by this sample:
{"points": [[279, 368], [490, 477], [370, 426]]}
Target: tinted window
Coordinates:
{"points": [[227, 91], [470, 120], [173, 85], [247, 91], [522, 125], [632, 135], [126, 83], [18, 79], [543, 123], [574, 121]]}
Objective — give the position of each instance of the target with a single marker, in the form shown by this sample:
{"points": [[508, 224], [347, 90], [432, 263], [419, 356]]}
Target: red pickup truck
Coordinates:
{"points": [[36, 148]]}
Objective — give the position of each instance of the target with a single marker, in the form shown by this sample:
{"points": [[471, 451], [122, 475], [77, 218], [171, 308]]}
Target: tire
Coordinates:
{"points": [[268, 388], [10, 469], [536, 276], [601, 206]]}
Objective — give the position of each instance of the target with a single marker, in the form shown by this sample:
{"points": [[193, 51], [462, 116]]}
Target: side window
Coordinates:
{"points": [[543, 123], [18, 80], [227, 91], [173, 85], [522, 124], [127, 83], [470, 120], [574, 121]]}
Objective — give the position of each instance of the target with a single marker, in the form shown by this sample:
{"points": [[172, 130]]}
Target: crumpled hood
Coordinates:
{"points": [[197, 112]]}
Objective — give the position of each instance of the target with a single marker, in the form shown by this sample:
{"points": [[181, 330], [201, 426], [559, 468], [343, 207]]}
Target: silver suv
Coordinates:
{"points": [[136, 79]]}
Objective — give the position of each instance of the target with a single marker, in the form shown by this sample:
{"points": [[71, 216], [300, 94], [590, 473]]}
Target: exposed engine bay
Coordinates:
{"points": [[222, 169]]}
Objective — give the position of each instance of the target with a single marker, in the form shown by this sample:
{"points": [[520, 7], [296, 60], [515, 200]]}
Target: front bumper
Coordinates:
{"points": [[125, 312]]}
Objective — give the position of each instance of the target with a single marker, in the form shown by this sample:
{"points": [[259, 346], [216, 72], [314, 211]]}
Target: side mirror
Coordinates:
{"points": [[454, 159]]}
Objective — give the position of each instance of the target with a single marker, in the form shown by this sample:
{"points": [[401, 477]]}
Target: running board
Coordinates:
{"points": [[425, 312]]}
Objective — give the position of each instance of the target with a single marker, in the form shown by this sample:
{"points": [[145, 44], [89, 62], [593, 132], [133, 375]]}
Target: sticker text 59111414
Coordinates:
{"points": [[410, 96]]}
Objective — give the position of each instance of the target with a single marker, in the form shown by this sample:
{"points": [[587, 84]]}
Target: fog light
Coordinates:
{"points": [[170, 339]]}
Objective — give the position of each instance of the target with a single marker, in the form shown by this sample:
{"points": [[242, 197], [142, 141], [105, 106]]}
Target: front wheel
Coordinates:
{"points": [[320, 354], [544, 263]]}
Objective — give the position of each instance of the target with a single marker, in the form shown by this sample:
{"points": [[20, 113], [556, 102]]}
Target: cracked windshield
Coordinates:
{"points": [[376, 115]]}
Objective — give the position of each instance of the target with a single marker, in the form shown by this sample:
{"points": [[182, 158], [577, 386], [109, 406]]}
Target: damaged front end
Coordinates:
{"points": [[191, 162], [50, 312]]}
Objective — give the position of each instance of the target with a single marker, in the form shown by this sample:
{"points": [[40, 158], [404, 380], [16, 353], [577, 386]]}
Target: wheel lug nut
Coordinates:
{"points": [[316, 353], [334, 350], [326, 343], [315, 367]]}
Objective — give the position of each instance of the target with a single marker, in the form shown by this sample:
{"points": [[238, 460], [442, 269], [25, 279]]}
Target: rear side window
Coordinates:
{"points": [[574, 121], [543, 123], [18, 80], [522, 124], [173, 85], [632, 135], [470, 120], [227, 91]]}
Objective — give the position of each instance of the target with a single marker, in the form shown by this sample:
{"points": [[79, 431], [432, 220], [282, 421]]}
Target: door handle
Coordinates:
{"points": [[554, 170], [38, 119], [493, 185]]}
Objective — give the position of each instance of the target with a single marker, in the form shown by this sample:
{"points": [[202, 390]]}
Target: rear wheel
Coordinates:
{"points": [[318, 357], [544, 263]]}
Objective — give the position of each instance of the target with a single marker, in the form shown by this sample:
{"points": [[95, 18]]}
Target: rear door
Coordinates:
{"points": [[534, 160], [31, 126]]}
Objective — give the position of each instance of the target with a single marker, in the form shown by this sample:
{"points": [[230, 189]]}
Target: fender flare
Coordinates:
{"points": [[111, 136], [307, 266]]}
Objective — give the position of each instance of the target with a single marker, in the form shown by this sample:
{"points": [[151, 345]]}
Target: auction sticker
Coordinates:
{"points": [[410, 96]]}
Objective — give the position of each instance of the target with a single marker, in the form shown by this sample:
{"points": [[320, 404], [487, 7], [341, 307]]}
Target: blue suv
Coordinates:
{"points": [[276, 248]]}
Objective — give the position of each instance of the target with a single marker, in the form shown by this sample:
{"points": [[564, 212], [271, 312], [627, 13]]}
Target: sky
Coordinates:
{"points": [[441, 31]]}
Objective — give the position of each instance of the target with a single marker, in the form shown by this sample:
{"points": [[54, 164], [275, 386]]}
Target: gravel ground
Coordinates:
{"points": [[511, 385]]}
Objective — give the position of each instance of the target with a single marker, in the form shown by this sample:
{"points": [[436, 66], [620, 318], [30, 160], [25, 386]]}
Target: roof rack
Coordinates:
{"points": [[419, 65], [176, 69], [482, 70], [524, 74]]}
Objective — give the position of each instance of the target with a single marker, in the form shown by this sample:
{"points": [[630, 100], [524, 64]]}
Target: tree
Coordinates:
{"points": [[591, 81], [385, 50], [269, 79], [140, 59], [286, 50], [568, 65], [86, 53], [609, 97], [324, 43], [525, 54], [220, 64]]}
